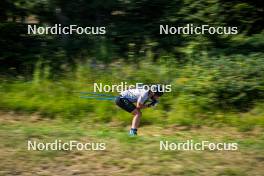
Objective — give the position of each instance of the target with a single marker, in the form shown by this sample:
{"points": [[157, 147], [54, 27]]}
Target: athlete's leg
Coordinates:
{"points": [[131, 108], [136, 120]]}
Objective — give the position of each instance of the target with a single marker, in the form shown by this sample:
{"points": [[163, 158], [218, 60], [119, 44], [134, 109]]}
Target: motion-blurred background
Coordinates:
{"points": [[217, 82]]}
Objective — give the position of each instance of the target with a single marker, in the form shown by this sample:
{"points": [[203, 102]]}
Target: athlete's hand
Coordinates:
{"points": [[153, 103]]}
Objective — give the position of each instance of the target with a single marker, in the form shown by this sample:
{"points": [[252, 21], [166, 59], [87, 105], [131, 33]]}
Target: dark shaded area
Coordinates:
{"points": [[132, 29]]}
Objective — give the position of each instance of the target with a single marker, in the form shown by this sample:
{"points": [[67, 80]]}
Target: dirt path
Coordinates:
{"points": [[123, 155]]}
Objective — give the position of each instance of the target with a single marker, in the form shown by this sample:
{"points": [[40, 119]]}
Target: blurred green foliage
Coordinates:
{"points": [[215, 78], [132, 31], [206, 91]]}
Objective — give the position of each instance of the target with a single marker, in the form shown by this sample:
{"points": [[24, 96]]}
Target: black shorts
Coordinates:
{"points": [[125, 104]]}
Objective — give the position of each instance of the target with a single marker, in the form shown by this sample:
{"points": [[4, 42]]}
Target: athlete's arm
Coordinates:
{"points": [[141, 101], [141, 106]]}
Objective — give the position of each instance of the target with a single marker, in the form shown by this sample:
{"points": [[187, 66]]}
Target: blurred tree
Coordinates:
{"points": [[128, 23]]}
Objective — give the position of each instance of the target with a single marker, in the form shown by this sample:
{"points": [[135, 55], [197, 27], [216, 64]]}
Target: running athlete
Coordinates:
{"points": [[140, 97]]}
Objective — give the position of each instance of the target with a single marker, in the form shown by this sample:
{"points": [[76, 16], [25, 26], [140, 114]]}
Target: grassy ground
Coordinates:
{"points": [[124, 155]]}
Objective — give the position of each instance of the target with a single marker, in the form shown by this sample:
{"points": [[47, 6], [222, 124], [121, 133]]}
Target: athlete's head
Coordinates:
{"points": [[157, 91]]}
